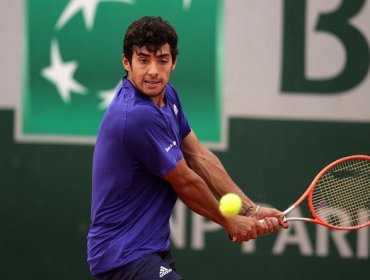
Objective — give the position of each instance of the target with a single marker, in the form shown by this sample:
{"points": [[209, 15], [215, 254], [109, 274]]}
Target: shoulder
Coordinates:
{"points": [[171, 91], [172, 96], [143, 117]]}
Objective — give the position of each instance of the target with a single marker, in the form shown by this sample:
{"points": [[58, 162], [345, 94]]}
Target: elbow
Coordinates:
{"points": [[183, 179]]}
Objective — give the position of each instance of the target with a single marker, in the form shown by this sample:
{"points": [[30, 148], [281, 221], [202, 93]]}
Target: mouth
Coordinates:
{"points": [[152, 82]]}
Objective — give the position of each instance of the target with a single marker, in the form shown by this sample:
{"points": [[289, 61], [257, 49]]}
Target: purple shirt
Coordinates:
{"points": [[137, 144]]}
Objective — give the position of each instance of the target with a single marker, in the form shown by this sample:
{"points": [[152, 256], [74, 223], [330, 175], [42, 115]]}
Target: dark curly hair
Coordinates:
{"points": [[151, 32]]}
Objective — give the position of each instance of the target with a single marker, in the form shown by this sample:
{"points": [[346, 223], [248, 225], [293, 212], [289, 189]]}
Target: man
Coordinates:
{"points": [[146, 155]]}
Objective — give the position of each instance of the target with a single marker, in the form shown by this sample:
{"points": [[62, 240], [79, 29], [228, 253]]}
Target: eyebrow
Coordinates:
{"points": [[147, 54], [142, 54]]}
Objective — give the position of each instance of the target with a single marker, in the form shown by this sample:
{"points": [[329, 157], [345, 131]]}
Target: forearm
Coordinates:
{"points": [[194, 193], [212, 171]]}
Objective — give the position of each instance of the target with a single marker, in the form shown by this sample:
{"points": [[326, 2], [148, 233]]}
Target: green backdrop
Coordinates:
{"points": [[45, 200]]}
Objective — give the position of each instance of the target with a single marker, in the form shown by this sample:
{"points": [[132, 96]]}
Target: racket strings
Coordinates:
{"points": [[341, 196]]}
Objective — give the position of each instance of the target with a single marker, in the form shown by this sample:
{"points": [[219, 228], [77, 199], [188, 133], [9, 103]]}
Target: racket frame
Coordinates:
{"points": [[309, 192]]}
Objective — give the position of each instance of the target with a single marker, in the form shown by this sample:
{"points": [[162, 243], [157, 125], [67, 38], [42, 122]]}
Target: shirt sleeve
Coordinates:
{"points": [[149, 141], [184, 124]]}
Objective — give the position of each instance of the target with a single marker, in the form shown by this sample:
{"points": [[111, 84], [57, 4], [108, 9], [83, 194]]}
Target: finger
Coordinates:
{"points": [[253, 235], [283, 222], [237, 241], [275, 224], [269, 225], [242, 238], [285, 225], [281, 219], [263, 226]]}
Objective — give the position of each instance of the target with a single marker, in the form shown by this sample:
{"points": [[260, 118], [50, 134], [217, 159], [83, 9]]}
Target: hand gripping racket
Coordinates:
{"points": [[339, 196]]}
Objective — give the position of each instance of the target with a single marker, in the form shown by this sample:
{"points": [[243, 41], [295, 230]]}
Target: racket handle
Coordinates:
{"points": [[233, 238]]}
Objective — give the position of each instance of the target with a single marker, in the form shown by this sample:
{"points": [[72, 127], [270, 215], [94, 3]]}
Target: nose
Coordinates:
{"points": [[153, 69]]}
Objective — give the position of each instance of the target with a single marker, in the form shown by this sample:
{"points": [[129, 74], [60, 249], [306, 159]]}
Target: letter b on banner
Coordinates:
{"points": [[336, 23]]}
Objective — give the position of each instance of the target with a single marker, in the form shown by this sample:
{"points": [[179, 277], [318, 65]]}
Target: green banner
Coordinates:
{"points": [[72, 63]]}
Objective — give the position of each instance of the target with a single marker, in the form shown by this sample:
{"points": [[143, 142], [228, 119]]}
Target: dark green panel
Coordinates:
{"points": [[274, 162], [44, 206], [45, 203]]}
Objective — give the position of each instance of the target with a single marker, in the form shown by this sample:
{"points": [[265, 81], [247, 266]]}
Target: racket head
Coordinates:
{"points": [[339, 196]]}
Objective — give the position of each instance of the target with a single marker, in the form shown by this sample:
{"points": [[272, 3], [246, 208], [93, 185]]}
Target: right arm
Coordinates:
{"points": [[211, 170], [195, 194], [189, 186]]}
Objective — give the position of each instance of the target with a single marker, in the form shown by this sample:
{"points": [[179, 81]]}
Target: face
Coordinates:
{"points": [[150, 72]]}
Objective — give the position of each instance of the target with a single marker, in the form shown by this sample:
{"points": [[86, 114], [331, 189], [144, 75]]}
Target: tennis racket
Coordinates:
{"points": [[339, 196]]}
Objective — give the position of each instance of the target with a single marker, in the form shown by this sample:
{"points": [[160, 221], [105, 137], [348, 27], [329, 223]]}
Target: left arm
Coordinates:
{"points": [[209, 167]]}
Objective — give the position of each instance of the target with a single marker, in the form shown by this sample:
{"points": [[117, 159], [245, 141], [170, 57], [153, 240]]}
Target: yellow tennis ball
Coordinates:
{"points": [[230, 205]]}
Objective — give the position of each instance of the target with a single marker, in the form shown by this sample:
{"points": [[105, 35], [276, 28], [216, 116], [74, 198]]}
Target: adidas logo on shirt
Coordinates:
{"points": [[170, 146], [175, 110], [163, 271]]}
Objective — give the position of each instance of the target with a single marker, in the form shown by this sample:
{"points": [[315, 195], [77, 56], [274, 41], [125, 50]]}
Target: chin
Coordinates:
{"points": [[152, 94]]}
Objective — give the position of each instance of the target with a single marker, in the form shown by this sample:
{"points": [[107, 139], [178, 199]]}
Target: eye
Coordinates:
{"points": [[163, 61], [143, 61]]}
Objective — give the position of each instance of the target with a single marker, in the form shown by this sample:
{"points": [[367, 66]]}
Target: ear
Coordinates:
{"points": [[126, 63], [174, 65]]}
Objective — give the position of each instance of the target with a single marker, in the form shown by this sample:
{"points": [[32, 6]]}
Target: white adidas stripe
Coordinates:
{"points": [[163, 271]]}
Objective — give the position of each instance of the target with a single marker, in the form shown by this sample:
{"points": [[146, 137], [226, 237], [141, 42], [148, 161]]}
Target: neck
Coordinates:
{"points": [[158, 100]]}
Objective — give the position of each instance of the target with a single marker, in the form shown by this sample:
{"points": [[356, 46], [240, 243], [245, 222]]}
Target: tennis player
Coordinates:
{"points": [[145, 157]]}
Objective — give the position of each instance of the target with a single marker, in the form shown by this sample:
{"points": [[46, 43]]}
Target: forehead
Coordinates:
{"points": [[163, 50]]}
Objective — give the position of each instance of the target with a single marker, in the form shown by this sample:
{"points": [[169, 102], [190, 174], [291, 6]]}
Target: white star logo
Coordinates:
{"points": [[186, 4], [107, 96], [61, 74], [88, 8]]}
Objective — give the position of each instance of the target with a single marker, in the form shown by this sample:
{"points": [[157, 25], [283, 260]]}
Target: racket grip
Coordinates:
{"points": [[233, 238]]}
